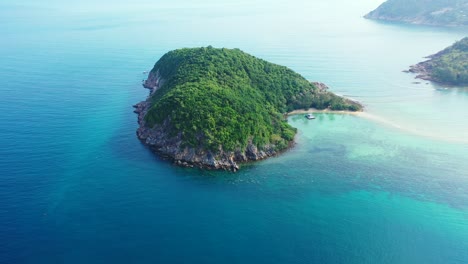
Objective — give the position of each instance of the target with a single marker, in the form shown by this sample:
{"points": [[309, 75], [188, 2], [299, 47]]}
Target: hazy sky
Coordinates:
{"points": [[57, 13], [89, 5]]}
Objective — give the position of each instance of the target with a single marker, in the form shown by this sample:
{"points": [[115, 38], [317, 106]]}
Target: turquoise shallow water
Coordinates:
{"points": [[76, 185]]}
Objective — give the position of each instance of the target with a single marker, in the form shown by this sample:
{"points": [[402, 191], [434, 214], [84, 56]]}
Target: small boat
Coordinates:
{"points": [[310, 116]]}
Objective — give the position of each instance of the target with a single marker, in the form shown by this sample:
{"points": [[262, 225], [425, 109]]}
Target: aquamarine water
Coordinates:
{"points": [[76, 186]]}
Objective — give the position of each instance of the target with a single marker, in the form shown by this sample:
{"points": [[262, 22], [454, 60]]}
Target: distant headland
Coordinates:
{"points": [[449, 66], [215, 108], [452, 13]]}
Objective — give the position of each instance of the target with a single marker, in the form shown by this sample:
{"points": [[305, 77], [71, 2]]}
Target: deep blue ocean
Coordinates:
{"points": [[76, 185]]}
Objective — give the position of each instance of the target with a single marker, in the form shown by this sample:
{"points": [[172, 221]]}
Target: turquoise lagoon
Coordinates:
{"points": [[76, 186]]}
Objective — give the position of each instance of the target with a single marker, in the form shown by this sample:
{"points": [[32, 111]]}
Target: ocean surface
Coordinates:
{"points": [[76, 186]]}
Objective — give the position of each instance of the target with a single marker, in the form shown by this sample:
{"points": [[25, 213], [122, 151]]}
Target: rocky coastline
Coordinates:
{"points": [[170, 147], [424, 69], [421, 21]]}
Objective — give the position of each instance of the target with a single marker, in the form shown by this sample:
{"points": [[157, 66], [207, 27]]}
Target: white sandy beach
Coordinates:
{"points": [[383, 121]]}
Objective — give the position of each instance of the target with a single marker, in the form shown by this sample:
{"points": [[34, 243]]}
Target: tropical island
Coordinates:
{"points": [[449, 66], [214, 108], [423, 12]]}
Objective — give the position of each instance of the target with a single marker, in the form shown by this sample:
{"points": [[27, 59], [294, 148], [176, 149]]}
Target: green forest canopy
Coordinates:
{"points": [[452, 65], [225, 97], [440, 12]]}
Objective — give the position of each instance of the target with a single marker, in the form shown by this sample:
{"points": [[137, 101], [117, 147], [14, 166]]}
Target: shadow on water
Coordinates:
{"points": [[418, 28]]}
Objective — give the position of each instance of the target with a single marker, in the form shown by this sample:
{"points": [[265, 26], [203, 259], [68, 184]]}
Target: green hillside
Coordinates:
{"points": [[222, 98], [424, 12], [449, 66]]}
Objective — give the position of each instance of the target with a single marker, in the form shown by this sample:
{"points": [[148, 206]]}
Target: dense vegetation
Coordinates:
{"points": [[225, 97], [450, 66], [429, 12]]}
